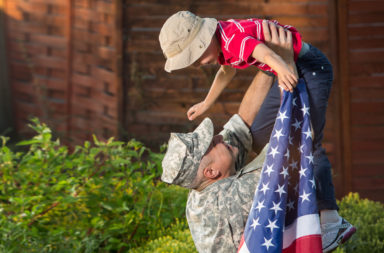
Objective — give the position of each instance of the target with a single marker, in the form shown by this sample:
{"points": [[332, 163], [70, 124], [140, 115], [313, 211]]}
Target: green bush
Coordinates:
{"points": [[102, 197], [175, 239], [368, 217]]}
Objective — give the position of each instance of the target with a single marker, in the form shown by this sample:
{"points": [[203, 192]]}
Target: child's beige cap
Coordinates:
{"points": [[184, 37]]}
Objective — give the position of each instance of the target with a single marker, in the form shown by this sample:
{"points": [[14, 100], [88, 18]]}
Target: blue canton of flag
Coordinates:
{"points": [[284, 215]]}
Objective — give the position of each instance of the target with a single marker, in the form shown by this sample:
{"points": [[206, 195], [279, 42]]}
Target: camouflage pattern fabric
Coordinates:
{"points": [[217, 214], [184, 154]]}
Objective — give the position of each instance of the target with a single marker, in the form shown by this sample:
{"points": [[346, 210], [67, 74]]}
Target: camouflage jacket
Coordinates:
{"points": [[217, 215]]}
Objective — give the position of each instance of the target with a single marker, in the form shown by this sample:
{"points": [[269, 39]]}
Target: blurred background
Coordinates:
{"points": [[95, 67]]}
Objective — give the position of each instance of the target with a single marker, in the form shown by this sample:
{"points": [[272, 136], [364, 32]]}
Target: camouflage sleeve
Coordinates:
{"points": [[237, 134]]}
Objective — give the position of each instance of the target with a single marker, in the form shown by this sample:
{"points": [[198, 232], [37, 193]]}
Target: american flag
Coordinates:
{"points": [[284, 215]]}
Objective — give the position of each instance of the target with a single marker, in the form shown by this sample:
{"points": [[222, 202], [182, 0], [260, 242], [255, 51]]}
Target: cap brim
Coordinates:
{"points": [[195, 49], [205, 132]]}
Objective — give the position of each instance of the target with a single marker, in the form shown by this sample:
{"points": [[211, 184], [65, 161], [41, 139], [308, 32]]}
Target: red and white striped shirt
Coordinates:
{"points": [[238, 39]]}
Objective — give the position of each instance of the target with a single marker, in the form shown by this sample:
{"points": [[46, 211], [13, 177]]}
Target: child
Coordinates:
{"points": [[187, 39]]}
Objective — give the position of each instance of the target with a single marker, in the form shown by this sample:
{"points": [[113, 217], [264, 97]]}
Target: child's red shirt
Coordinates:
{"points": [[238, 39]]}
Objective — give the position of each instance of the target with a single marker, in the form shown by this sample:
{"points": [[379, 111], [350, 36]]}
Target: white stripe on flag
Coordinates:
{"points": [[302, 226], [244, 248]]}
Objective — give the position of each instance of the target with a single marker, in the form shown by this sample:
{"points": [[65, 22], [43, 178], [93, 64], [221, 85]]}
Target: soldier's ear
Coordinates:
{"points": [[211, 173]]}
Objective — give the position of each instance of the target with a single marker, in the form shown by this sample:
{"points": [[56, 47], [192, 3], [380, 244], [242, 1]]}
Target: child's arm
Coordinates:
{"points": [[287, 77], [223, 76]]}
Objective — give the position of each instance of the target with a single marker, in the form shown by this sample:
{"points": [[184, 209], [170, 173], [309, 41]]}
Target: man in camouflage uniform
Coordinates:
{"points": [[222, 188]]}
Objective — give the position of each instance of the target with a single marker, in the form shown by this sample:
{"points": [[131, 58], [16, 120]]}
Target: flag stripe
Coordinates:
{"points": [[243, 246], [299, 228], [305, 244]]}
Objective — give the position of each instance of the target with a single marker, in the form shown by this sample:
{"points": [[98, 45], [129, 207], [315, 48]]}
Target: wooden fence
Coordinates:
{"points": [[64, 64], [95, 66], [361, 95], [6, 122]]}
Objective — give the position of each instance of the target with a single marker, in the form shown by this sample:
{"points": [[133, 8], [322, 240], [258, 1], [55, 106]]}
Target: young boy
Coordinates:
{"points": [[187, 39]]}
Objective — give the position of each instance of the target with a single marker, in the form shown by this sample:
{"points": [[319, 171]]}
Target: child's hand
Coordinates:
{"points": [[280, 41], [287, 79], [196, 110]]}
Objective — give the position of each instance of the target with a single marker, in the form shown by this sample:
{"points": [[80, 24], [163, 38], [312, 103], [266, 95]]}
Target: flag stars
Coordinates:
{"points": [[276, 207], [293, 165], [313, 183], [290, 140], [310, 158], [267, 243], [287, 154], [265, 188], [269, 170], [273, 152], [284, 172], [294, 101], [280, 190], [308, 134], [304, 196], [290, 205], [260, 205], [278, 134], [302, 171], [255, 223], [287, 170], [297, 125], [282, 116], [272, 225], [305, 110]]}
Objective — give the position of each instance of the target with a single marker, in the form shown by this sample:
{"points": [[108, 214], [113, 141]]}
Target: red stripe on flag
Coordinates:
{"points": [[241, 243], [309, 243]]}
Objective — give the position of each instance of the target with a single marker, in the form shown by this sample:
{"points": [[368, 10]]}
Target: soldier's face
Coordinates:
{"points": [[223, 156]]}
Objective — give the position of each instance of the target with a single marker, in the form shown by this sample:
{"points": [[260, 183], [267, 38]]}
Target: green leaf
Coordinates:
{"points": [[28, 142]]}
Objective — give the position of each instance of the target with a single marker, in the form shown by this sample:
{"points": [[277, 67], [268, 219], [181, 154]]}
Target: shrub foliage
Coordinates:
{"points": [[368, 217], [102, 197]]}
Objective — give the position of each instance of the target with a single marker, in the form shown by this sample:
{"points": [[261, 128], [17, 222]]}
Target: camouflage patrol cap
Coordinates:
{"points": [[184, 154]]}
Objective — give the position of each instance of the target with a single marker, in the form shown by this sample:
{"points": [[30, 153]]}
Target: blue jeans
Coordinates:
{"points": [[317, 72]]}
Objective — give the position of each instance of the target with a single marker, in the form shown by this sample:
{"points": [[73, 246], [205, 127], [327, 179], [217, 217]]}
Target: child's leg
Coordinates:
{"points": [[317, 72]]}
